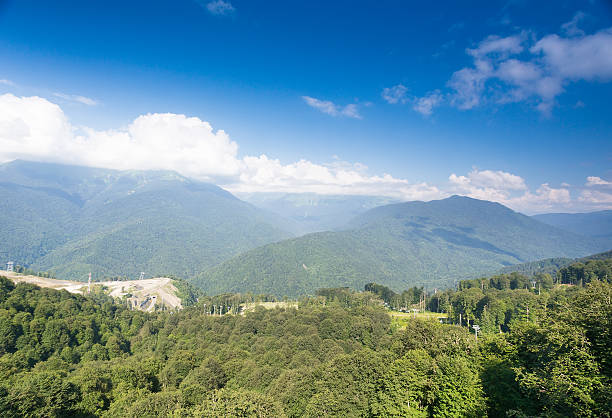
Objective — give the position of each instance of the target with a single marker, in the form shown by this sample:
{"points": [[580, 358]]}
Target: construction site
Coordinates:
{"points": [[148, 295]]}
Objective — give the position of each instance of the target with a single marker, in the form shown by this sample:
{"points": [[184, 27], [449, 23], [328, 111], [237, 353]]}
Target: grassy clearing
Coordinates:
{"points": [[400, 319], [269, 305]]}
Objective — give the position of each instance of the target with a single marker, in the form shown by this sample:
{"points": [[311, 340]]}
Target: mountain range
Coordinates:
{"points": [[71, 220], [401, 245], [311, 212], [593, 224]]}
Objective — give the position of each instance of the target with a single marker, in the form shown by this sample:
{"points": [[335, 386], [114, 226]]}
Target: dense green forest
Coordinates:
{"points": [[400, 245], [543, 350], [551, 265], [71, 220]]}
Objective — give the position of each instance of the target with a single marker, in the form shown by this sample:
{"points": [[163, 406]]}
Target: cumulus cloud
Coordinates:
{"points": [[597, 192], [545, 199], [77, 99], [220, 7], [519, 68], [395, 94], [596, 198], [269, 175], [571, 28], [511, 190], [491, 179], [597, 181], [33, 128], [501, 47], [582, 58], [332, 109], [425, 105]]}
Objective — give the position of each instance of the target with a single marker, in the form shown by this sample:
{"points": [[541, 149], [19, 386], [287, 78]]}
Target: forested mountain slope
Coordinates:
{"points": [[552, 265], [315, 212], [72, 220], [400, 245], [592, 224]]}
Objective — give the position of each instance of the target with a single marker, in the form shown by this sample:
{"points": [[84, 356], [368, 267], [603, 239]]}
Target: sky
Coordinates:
{"points": [[505, 101]]}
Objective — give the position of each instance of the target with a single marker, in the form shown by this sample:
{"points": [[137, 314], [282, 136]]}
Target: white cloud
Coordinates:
{"points": [[395, 94], [596, 198], [497, 186], [33, 128], [425, 105], [505, 71], [77, 99], [269, 175], [468, 84], [597, 192], [502, 47], [220, 7], [597, 181], [583, 58], [491, 179], [351, 111], [571, 28], [36, 129], [333, 109], [7, 82], [510, 190]]}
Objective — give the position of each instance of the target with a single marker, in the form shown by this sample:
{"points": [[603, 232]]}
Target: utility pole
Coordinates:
{"points": [[476, 329], [527, 311], [89, 283]]}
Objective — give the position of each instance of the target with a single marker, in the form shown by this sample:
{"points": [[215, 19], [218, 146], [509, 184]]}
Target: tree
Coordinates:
{"points": [[240, 403], [457, 390], [406, 387]]}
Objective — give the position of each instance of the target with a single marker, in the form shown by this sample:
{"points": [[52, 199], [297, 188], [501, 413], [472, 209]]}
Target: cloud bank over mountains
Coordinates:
{"points": [[34, 128]]}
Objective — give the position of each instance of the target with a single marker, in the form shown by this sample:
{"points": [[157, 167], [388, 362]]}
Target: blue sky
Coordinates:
{"points": [[488, 99]]}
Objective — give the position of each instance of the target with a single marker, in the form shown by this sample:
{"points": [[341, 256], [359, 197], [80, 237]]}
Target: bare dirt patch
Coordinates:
{"points": [[145, 294]]}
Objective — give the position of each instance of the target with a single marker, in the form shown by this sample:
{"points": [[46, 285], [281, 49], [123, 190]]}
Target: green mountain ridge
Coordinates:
{"points": [[552, 265], [71, 220], [592, 224], [313, 212], [400, 245]]}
